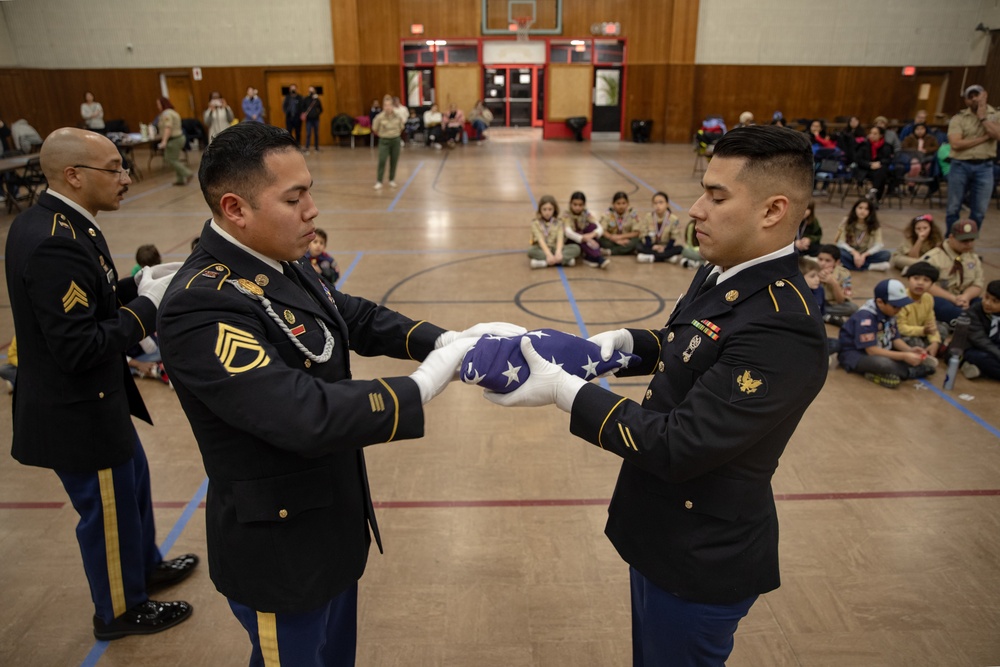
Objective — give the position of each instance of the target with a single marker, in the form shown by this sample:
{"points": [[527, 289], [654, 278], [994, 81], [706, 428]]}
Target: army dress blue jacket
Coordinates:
{"points": [[734, 369], [281, 435]]}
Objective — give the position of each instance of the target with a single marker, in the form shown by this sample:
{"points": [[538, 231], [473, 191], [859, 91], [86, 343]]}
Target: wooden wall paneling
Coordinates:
{"points": [[458, 85], [345, 27], [457, 19], [379, 31], [990, 79], [570, 92], [683, 32], [376, 82], [680, 106]]}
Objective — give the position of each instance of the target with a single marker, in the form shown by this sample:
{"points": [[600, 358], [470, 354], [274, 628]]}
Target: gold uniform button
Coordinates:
{"points": [[687, 505], [780, 283], [100, 395], [283, 514], [649, 394], [661, 366], [308, 363], [670, 337]]}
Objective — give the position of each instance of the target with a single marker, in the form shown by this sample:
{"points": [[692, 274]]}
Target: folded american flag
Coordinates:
{"points": [[496, 362]]}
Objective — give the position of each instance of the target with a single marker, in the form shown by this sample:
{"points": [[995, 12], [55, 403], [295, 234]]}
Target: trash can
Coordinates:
{"points": [[577, 123], [641, 129]]}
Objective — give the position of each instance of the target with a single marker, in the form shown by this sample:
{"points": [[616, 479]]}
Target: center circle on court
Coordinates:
{"points": [[615, 291]]}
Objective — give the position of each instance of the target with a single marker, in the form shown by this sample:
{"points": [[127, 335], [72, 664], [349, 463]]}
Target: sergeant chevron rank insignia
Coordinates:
{"points": [[748, 383], [73, 297], [239, 351]]}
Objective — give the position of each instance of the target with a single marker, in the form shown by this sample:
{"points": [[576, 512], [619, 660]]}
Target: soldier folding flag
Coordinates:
{"points": [[496, 362]]}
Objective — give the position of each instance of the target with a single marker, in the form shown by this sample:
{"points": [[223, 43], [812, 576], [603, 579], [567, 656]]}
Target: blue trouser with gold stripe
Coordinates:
{"points": [[324, 637], [116, 532]]}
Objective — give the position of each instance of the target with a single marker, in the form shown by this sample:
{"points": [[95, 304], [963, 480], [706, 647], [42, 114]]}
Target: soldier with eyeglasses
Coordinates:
{"points": [[75, 398]]}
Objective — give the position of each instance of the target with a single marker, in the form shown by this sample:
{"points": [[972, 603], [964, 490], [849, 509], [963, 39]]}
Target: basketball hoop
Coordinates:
{"points": [[521, 25]]}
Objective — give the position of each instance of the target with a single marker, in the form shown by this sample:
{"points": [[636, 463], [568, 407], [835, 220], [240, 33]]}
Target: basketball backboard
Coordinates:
{"points": [[500, 17]]}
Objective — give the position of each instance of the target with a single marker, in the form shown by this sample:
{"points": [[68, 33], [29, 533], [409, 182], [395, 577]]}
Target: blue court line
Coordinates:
{"points": [[673, 205], [992, 430], [392, 206], [101, 646], [347, 274], [524, 179]]}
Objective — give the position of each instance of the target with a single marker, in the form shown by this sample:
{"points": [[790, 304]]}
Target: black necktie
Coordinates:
{"points": [[708, 284]]}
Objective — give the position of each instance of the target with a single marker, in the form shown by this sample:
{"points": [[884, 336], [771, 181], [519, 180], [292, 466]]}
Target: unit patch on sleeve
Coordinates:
{"points": [[239, 351], [748, 383]]}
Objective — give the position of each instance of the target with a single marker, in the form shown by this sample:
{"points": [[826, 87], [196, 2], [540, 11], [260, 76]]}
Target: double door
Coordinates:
{"points": [[515, 94]]}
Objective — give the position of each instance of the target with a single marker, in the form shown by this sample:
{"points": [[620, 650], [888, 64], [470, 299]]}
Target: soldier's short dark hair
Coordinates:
{"points": [[234, 162], [778, 154]]}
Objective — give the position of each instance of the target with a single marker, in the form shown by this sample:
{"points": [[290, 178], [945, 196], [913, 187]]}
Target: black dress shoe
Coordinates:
{"points": [[172, 571], [143, 619]]}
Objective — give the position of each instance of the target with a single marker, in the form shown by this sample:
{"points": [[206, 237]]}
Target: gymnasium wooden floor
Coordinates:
{"points": [[889, 501]]}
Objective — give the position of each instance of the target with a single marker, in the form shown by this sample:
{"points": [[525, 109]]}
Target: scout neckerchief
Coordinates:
{"points": [[618, 220], [546, 226], [660, 225]]}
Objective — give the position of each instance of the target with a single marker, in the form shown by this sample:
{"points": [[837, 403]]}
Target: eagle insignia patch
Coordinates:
{"points": [[748, 383]]}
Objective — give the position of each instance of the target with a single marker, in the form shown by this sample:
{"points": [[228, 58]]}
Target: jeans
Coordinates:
{"points": [[976, 180], [988, 364], [874, 258], [294, 126], [312, 132], [478, 128]]}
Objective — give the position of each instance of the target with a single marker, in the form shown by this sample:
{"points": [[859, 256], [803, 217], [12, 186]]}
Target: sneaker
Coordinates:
{"points": [[887, 380], [570, 262], [930, 362], [9, 386], [835, 320], [305, 152], [675, 259], [538, 263], [606, 252], [690, 263], [392, 184], [872, 195], [879, 266], [970, 371], [605, 263], [643, 258], [592, 263], [378, 186], [437, 146]]}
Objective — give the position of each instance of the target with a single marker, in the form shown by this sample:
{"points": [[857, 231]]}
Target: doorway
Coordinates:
{"points": [[607, 107], [276, 86], [177, 88], [514, 94], [931, 87]]}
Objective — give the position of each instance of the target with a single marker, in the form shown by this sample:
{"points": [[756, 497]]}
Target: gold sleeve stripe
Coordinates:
{"points": [[627, 437], [267, 632], [606, 418], [804, 304], [395, 413], [412, 329], [378, 403], [136, 319], [107, 484], [773, 300]]}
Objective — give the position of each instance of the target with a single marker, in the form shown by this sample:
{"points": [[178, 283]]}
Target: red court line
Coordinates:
{"points": [[579, 502]]}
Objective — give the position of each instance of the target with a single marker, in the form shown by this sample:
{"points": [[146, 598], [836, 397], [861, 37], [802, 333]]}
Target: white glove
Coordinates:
{"points": [[546, 384], [619, 339], [153, 288], [158, 271], [495, 328], [440, 367]]}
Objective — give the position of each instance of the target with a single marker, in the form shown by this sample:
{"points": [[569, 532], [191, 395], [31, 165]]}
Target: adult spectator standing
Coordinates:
{"points": [[253, 107], [293, 120], [74, 320], [218, 116], [973, 134], [289, 513], [309, 110], [388, 126], [172, 140], [740, 359], [92, 113]]}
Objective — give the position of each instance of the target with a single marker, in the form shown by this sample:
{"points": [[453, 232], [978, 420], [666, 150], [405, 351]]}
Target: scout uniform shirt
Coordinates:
{"points": [[662, 230], [547, 232], [866, 328], [966, 123], [958, 271]]}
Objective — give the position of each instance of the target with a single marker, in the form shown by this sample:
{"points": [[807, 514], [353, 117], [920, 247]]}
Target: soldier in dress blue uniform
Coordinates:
{"points": [[738, 362], [258, 349], [75, 398]]}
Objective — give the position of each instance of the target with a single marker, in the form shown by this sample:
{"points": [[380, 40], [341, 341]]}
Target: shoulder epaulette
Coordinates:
{"points": [[785, 295], [212, 276], [61, 226]]}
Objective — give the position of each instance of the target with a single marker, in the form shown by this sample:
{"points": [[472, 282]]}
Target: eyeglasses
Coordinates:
{"points": [[121, 173]]}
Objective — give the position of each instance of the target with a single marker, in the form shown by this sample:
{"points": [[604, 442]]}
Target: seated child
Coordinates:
{"points": [[870, 342], [146, 255], [836, 280], [621, 227], [982, 356], [412, 126], [661, 236], [548, 237], [321, 262], [583, 230], [810, 270], [810, 233], [916, 322]]}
